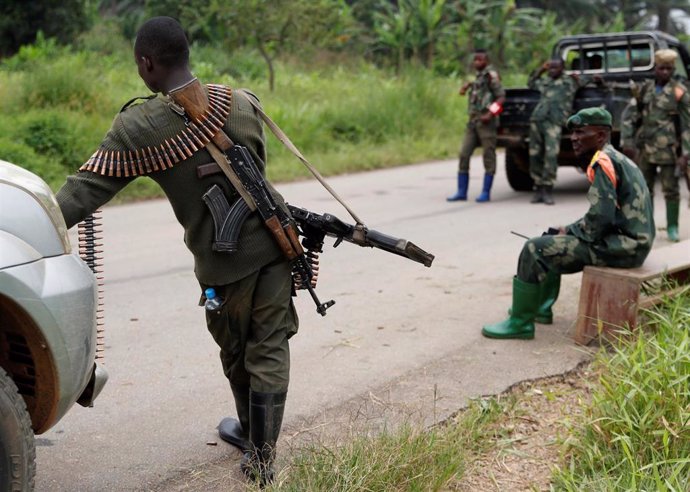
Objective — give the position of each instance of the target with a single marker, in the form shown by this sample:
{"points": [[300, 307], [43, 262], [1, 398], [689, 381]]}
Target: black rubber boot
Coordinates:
{"points": [[538, 194], [236, 431], [547, 198], [266, 418]]}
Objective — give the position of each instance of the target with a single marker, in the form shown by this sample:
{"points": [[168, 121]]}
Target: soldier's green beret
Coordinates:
{"points": [[590, 117]]}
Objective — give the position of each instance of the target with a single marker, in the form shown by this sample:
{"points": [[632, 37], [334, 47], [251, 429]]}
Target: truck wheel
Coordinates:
{"points": [[517, 169], [17, 447]]}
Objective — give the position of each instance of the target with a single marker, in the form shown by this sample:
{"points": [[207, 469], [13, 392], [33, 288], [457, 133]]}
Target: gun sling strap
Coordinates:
{"points": [[280, 135], [188, 98]]}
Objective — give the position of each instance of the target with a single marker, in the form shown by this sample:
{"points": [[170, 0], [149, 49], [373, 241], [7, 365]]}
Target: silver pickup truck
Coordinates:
{"points": [[48, 323]]}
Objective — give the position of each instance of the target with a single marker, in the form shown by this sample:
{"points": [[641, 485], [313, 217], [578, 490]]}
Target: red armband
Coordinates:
{"points": [[495, 108]]}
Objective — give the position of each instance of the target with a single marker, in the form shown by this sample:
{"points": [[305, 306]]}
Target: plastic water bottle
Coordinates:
{"points": [[213, 301]]}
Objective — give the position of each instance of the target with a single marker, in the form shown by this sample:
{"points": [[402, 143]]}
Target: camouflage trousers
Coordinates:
{"points": [[669, 181], [253, 326], [544, 145], [566, 254], [478, 133]]}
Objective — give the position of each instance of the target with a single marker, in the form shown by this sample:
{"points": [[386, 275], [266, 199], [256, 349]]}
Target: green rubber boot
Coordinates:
{"points": [[672, 211], [520, 324], [548, 293]]}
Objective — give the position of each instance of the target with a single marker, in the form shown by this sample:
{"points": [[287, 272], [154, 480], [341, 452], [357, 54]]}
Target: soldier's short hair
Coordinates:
{"points": [[559, 60], [163, 39]]}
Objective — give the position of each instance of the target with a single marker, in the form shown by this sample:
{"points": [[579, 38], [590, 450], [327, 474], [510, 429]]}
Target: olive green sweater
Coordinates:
{"points": [[150, 123]]}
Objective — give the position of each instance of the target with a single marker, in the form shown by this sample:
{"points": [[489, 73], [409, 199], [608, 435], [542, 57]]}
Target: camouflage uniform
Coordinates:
{"points": [[485, 89], [617, 231], [546, 123], [649, 125]]}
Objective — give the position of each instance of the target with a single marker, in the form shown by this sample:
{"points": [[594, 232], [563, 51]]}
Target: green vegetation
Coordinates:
{"points": [[58, 104], [634, 435], [407, 459], [357, 85]]}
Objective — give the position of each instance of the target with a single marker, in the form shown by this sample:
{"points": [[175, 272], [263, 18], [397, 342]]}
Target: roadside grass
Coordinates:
{"points": [[636, 435], [408, 458], [622, 423]]}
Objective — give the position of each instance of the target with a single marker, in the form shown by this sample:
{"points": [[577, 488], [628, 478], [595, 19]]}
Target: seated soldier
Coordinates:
{"points": [[616, 231]]}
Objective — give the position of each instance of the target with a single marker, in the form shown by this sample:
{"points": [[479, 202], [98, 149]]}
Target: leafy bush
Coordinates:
{"points": [[208, 62], [24, 156], [67, 82]]}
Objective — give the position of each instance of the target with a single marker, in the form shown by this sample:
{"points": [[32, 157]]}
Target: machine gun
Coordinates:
{"points": [[237, 164], [315, 227]]}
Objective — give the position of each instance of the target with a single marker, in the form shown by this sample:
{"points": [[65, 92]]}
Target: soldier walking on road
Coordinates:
{"points": [[617, 230], [655, 131], [486, 96], [546, 124], [254, 316]]}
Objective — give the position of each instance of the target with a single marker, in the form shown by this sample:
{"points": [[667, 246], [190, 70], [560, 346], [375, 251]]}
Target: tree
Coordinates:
{"points": [[274, 26], [412, 28], [20, 21]]}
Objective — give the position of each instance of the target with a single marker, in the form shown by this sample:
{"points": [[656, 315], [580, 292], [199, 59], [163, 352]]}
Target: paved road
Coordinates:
{"points": [[397, 329]]}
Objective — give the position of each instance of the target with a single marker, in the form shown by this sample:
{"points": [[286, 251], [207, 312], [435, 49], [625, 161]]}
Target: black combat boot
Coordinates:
{"points": [[236, 431], [265, 417], [546, 195], [538, 194]]}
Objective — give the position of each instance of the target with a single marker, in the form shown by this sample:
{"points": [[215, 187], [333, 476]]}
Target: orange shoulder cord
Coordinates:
{"points": [[606, 165]]}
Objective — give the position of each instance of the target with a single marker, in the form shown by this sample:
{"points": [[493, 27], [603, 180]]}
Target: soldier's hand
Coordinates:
{"points": [[463, 89], [630, 152], [485, 117], [682, 163]]}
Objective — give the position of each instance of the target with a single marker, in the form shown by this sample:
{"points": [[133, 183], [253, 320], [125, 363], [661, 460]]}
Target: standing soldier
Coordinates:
{"points": [[617, 230], [657, 117], [485, 104], [546, 124], [256, 315]]}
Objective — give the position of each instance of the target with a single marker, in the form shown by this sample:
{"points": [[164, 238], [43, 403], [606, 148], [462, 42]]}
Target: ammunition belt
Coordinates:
{"points": [[146, 160]]}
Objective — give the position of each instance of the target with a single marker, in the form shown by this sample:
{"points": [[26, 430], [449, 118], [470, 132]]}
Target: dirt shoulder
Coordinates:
{"points": [[526, 441]]}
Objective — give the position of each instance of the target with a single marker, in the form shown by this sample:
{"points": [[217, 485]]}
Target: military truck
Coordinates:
{"points": [[618, 58]]}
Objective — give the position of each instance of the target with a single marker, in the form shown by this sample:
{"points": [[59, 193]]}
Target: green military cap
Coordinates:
{"points": [[590, 117]]}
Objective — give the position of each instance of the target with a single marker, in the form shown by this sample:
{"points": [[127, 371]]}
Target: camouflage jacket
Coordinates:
{"points": [[649, 120], [556, 101], [485, 89], [619, 223]]}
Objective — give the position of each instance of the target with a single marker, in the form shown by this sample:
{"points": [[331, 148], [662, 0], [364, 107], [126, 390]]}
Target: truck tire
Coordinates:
{"points": [[17, 446], [517, 169]]}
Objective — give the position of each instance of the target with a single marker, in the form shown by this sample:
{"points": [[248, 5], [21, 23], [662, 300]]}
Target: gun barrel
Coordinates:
{"points": [[398, 246]]}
